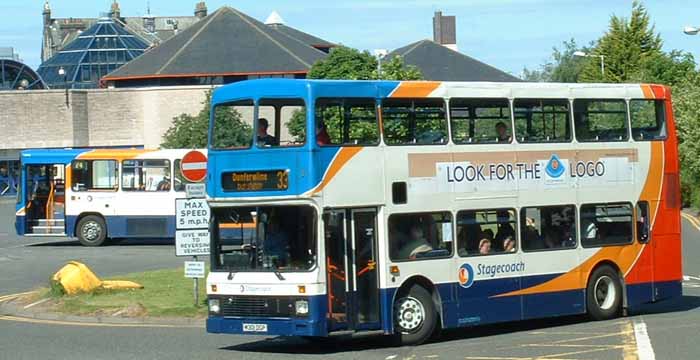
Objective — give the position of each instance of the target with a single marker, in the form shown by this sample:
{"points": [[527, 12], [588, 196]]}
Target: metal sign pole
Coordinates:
{"points": [[196, 288]]}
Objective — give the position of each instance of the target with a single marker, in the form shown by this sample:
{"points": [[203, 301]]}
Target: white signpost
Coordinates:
{"points": [[192, 234]]}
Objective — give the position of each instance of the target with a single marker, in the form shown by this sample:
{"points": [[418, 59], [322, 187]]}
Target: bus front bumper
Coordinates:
{"points": [[266, 326]]}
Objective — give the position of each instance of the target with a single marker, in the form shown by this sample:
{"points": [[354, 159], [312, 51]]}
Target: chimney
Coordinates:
{"points": [[47, 13], [445, 30], [200, 10]]}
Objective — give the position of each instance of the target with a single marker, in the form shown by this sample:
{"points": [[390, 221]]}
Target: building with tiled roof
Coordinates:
{"points": [[226, 46]]}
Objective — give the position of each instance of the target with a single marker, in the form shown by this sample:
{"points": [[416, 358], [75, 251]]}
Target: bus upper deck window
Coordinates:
{"points": [[281, 122], [233, 125], [480, 121], [346, 121], [414, 121], [600, 120], [648, 119], [542, 120]]}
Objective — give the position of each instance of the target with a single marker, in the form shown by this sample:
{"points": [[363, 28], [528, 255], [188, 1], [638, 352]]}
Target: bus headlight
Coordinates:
{"points": [[214, 307], [301, 307]]}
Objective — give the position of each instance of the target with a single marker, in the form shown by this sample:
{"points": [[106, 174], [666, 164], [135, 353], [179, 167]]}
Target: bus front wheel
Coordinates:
{"points": [[92, 231], [604, 294], [415, 316]]}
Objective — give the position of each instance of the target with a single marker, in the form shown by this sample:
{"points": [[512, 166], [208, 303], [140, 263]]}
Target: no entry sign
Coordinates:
{"points": [[194, 166]]}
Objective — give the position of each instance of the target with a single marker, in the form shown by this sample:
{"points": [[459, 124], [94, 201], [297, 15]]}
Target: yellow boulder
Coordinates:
{"points": [[75, 277]]}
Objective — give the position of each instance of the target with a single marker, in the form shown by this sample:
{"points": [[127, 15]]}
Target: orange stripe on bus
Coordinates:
{"points": [[105, 154], [415, 89], [344, 155], [249, 225], [624, 256], [648, 92]]}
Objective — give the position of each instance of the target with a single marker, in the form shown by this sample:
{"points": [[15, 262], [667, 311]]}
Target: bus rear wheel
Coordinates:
{"points": [[415, 316], [604, 294], [92, 231]]}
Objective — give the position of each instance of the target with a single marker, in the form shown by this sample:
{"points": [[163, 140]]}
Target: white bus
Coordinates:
{"points": [[409, 207], [99, 194]]}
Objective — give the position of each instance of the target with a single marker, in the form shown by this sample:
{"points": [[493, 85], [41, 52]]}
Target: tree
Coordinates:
{"points": [[563, 66], [350, 64], [686, 106], [627, 45], [189, 132]]}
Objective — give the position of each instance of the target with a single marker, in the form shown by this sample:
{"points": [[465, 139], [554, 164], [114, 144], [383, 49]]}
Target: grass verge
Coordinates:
{"points": [[166, 293]]}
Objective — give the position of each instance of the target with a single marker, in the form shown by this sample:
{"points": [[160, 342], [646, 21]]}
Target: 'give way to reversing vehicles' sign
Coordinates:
{"points": [[192, 227]]}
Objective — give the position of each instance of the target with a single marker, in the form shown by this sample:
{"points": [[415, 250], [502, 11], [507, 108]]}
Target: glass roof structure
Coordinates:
{"points": [[96, 52], [15, 75]]}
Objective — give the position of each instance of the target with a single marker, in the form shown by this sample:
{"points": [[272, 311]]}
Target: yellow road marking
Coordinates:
{"points": [[13, 296], [693, 221], [86, 324], [629, 352]]}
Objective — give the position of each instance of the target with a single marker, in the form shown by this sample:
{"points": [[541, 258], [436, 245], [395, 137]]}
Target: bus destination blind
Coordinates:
{"points": [[271, 180]]}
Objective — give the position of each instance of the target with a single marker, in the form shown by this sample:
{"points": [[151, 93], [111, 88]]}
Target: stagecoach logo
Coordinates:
{"points": [[466, 276], [554, 168]]}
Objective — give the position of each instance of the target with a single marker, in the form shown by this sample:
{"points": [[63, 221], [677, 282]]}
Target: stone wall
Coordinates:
{"points": [[94, 118]]}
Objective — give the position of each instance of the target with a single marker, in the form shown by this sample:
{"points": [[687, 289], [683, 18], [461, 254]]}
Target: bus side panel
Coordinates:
{"points": [[143, 226], [548, 304], [668, 260]]}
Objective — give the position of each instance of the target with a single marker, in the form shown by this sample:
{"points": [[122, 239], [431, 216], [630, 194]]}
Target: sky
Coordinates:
{"points": [[508, 34]]}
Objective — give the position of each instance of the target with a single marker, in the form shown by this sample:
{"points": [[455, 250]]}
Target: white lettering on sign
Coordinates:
{"points": [[194, 269], [537, 175], [191, 214], [191, 242], [196, 190]]}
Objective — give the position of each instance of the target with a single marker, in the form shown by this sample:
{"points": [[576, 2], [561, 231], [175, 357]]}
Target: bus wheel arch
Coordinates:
{"points": [[91, 229], [606, 274], [408, 289]]}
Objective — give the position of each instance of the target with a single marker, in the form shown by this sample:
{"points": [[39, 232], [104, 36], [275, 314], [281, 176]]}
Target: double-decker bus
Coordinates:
{"points": [[410, 207], [99, 194]]}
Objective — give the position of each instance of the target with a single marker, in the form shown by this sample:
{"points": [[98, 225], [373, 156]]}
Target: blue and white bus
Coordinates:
{"points": [[410, 207], [99, 194]]}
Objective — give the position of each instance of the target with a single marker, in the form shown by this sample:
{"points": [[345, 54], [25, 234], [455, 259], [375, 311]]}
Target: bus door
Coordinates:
{"points": [[351, 264], [45, 199]]}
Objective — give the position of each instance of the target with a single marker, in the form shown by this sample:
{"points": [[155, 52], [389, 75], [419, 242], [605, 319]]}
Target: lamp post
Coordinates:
{"points": [[602, 60], [62, 72], [380, 54]]}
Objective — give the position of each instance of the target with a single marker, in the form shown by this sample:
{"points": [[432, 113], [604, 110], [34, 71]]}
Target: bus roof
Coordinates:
{"points": [[58, 156], [281, 88]]}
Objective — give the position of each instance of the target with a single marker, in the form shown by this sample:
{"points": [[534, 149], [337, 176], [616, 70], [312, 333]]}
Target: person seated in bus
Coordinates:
{"points": [[468, 238], [276, 243], [415, 244], [263, 137], [505, 229], [164, 184], [531, 237], [322, 137], [485, 246], [502, 132], [551, 239], [509, 244], [589, 231], [488, 234]]}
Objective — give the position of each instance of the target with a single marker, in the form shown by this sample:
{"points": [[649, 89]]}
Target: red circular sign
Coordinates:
{"points": [[194, 166]]}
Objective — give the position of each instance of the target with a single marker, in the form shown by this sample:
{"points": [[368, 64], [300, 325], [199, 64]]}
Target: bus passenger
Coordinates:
{"points": [[415, 244], [263, 137], [484, 246], [502, 132], [505, 229], [322, 137], [164, 184], [508, 244]]}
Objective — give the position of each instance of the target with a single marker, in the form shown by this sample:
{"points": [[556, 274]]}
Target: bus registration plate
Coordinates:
{"points": [[255, 327]]}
